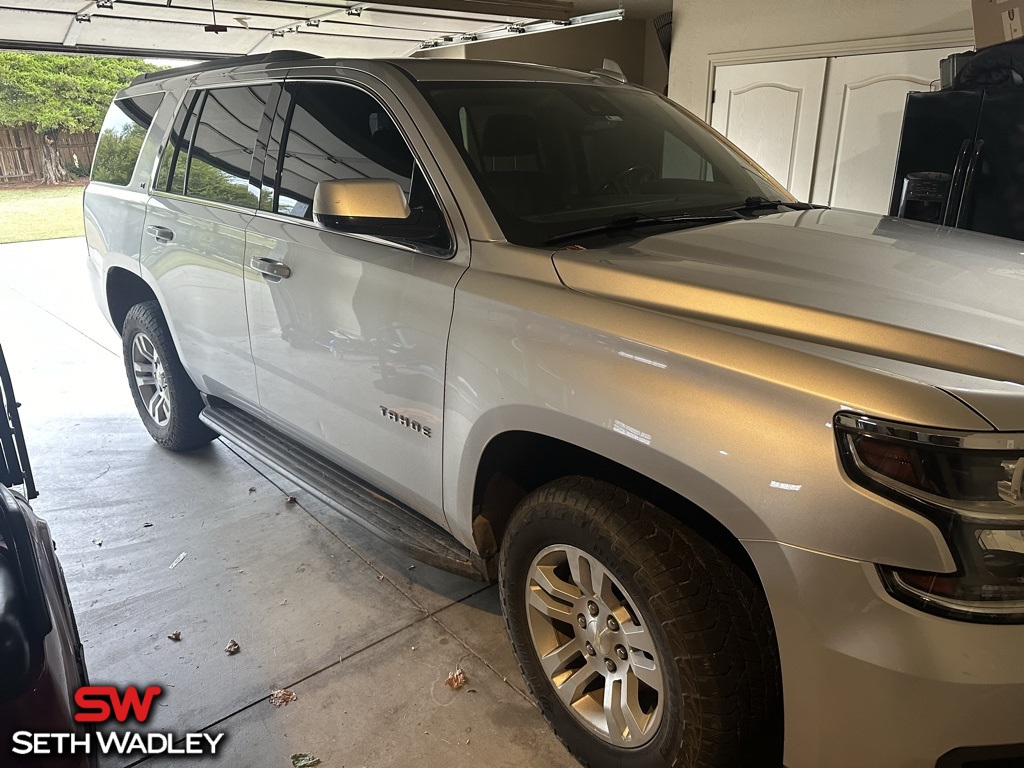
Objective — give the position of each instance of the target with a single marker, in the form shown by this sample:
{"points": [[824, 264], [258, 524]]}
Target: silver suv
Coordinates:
{"points": [[748, 472]]}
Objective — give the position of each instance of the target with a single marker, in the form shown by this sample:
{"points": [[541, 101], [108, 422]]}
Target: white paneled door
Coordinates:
{"points": [[861, 122], [827, 129], [771, 111]]}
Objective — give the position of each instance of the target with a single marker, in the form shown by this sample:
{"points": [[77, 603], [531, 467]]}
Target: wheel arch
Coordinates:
{"points": [[516, 462], [124, 290]]}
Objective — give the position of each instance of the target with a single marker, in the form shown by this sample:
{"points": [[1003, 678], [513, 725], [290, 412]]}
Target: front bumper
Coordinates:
{"points": [[869, 681]]}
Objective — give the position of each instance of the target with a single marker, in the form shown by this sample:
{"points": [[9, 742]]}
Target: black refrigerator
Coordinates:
{"points": [[961, 161]]}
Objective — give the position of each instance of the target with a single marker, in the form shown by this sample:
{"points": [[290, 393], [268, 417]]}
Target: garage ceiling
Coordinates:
{"points": [[329, 27]]}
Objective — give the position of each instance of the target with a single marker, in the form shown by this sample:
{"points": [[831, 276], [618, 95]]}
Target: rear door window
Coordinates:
{"points": [[121, 137], [209, 154]]}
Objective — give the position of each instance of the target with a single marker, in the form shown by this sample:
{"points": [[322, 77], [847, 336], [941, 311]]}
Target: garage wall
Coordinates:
{"points": [[706, 28], [627, 42]]}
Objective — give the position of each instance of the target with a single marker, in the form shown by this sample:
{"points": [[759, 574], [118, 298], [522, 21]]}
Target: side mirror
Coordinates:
{"points": [[355, 204]]}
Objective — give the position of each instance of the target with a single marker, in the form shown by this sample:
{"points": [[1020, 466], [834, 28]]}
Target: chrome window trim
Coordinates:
{"points": [[203, 201], [357, 235]]}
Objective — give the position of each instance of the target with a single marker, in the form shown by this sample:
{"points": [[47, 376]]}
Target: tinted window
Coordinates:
{"points": [[331, 131], [552, 159], [124, 129], [337, 132], [220, 155], [174, 162]]}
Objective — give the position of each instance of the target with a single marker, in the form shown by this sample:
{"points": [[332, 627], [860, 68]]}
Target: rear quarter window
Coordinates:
{"points": [[121, 137]]}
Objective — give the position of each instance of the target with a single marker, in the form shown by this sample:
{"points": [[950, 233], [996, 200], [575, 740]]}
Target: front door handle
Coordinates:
{"points": [[162, 234], [270, 268]]}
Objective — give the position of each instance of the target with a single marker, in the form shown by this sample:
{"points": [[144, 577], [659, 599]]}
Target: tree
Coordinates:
{"points": [[57, 92]]}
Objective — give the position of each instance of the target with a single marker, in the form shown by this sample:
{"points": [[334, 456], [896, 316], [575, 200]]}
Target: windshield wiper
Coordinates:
{"points": [[757, 203], [636, 220]]}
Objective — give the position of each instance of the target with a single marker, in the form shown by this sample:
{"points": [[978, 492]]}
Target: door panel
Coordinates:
{"points": [[194, 239], [771, 111], [358, 331], [199, 276], [350, 347], [861, 121]]}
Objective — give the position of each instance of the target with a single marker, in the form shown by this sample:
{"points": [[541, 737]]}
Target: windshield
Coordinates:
{"points": [[555, 158]]}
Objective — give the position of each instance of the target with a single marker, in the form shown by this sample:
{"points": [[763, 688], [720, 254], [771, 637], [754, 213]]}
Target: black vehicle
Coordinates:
{"points": [[42, 662]]}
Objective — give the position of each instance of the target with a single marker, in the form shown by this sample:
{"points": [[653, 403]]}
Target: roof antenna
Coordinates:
{"points": [[215, 27]]}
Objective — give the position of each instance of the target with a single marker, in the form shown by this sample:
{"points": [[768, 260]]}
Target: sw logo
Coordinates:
{"points": [[96, 703], [106, 704]]}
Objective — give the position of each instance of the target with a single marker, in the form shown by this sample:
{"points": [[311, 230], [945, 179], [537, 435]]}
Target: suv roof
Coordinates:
{"points": [[424, 70]]}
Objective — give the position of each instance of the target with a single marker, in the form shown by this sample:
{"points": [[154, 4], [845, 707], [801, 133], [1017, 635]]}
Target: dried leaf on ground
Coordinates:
{"points": [[175, 635], [289, 499], [281, 697], [232, 648], [303, 760], [456, 679], [98, 542], [252, 489], [147, 525]]}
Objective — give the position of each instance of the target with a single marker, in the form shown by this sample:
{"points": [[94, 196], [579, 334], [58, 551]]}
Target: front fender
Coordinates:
{"points": [[737, 424]]}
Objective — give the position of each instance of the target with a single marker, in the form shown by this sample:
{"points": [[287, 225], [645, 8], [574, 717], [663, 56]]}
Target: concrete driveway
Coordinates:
{"points": [[364, 636]]}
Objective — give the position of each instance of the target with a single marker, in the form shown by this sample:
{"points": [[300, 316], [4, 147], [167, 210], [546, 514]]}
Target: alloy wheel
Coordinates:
{"points": [[594, 646], [151, 379]]}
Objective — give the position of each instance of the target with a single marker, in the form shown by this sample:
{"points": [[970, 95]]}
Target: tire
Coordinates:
{"points": [[677, 604], [164, 395]]}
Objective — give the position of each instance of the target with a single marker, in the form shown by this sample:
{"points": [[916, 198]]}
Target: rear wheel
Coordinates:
{"points": [[164, 395], [642, 642]]}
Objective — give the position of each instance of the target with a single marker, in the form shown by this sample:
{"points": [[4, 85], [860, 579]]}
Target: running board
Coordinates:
{"points": [[379, 514]]}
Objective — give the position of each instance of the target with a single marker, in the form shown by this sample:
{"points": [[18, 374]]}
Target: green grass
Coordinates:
{"points": [[40, 213]]}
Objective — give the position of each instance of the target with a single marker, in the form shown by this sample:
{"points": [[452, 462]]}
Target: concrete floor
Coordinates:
{"points": [[363, 635]]}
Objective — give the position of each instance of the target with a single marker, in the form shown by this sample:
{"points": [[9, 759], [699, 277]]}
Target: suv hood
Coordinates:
{"points": [[901, 290]]}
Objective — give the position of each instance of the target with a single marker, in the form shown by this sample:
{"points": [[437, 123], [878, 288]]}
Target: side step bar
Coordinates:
{"points": [[381, 515]]}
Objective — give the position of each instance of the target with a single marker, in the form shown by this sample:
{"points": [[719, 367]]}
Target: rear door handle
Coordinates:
{"points": [[270, 268], [162, 234]]}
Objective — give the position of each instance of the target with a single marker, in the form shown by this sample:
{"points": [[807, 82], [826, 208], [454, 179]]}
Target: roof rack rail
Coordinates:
{"points": [[234, 61]]}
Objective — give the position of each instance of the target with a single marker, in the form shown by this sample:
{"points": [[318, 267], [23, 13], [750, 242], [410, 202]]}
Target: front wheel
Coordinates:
{"points": [[164, 395], [644, 645]]}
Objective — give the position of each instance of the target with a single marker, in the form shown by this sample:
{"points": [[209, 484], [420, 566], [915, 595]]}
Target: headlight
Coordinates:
{"points": [[972, 487]]}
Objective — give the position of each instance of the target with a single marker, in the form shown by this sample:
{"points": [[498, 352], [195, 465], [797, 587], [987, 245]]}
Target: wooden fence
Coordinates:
{"points": [[21, 153]]}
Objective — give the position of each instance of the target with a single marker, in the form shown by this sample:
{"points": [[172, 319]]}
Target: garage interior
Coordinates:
{"points": [[219, 548]]}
